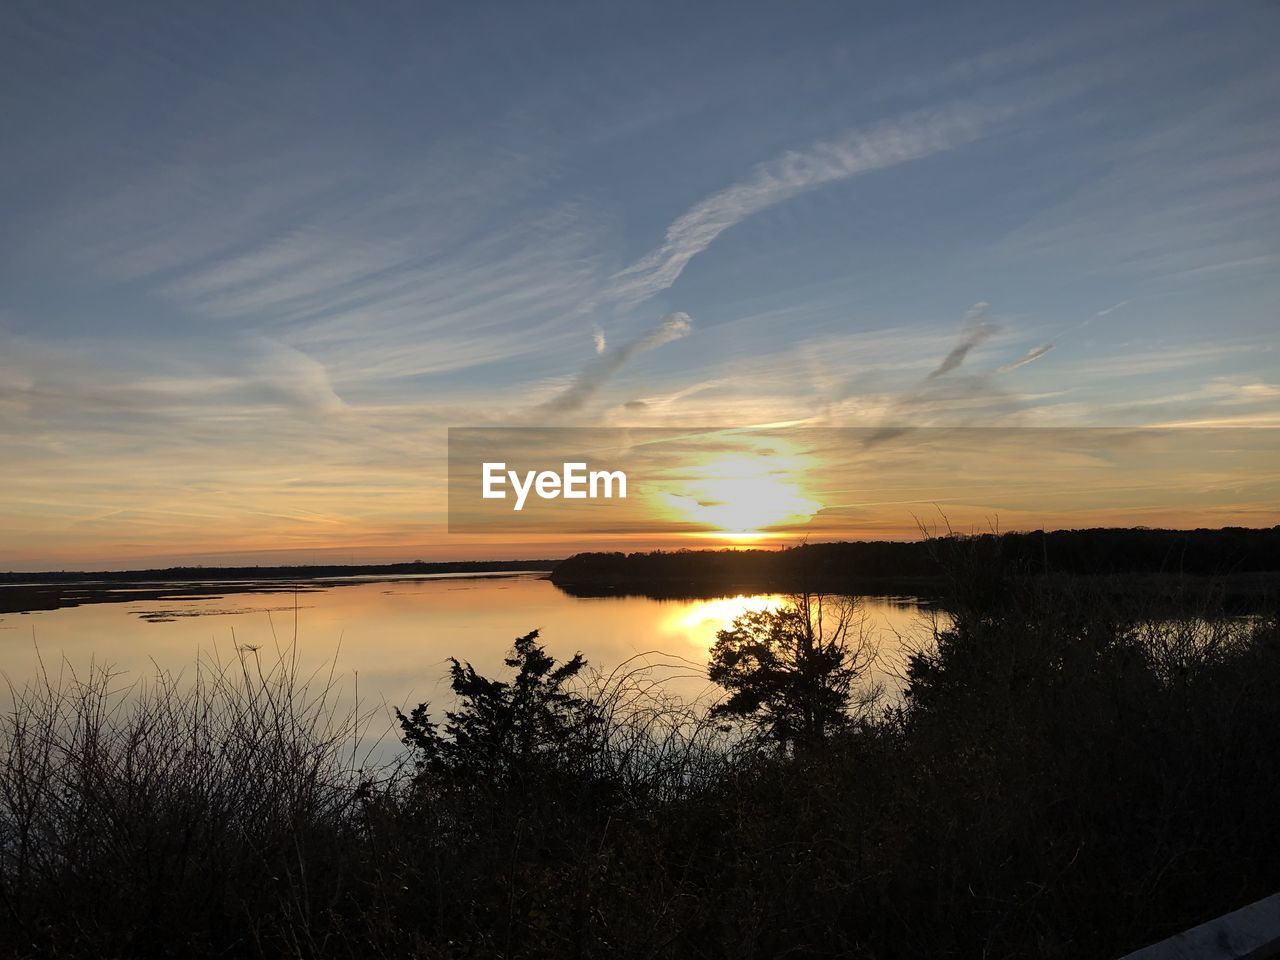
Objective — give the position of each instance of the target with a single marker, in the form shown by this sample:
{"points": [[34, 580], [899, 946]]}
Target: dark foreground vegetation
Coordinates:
{"points": [[1234, 555], [1067, 775]]}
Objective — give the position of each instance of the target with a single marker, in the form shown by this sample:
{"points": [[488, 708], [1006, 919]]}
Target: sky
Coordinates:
{"points": [[256, 259]]}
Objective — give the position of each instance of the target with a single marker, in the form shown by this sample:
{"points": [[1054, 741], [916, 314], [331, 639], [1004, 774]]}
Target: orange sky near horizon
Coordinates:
{"points": [[723, 489]]}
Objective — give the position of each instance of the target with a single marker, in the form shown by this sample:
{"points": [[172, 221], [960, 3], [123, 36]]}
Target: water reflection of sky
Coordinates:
{"points": [[393, 639]]}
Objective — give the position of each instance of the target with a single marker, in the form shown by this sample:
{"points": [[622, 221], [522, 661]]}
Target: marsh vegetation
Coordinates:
{"points": [[1068, 773]]}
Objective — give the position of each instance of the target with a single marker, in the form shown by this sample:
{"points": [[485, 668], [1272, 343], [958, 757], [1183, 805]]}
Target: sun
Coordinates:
{"points": [[740, 497]]}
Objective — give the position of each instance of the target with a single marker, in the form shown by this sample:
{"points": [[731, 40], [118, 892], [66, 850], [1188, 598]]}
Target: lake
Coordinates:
{"points": [[390, 639]]}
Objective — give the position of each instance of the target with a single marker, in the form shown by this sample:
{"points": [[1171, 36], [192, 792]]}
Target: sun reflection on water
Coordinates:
{"points": [[700, 620]]}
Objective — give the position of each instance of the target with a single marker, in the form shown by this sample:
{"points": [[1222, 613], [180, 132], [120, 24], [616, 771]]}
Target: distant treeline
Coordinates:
{"points": [[836, 566], [308, 572], [826, 566]]}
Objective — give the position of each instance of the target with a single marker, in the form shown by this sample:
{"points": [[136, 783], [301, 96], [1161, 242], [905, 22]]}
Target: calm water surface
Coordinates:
{"points": [[391, 639]]}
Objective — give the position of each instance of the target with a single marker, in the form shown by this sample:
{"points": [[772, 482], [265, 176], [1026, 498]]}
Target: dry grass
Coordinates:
{"points": [[1065, 777]]}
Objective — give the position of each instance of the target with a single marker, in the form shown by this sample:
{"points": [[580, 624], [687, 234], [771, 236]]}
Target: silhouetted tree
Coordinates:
{"points": [[504, 730], [791, 671]]}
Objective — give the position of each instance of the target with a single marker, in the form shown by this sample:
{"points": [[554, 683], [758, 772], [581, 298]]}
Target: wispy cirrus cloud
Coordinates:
{"points": [[858, 151], [1035, 353], [588, 382], [1107, 311], [977, 330]]}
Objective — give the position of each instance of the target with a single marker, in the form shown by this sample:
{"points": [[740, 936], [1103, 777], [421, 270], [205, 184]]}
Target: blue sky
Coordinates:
{"points": [[256, 258]]}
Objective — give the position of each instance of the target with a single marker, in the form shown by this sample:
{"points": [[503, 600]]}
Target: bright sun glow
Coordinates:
{"points": [[741, 496]]}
